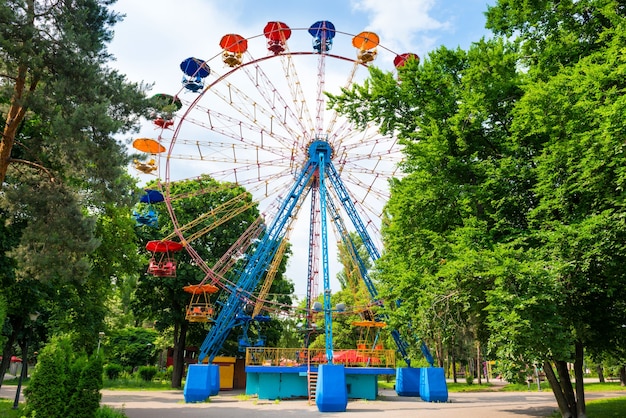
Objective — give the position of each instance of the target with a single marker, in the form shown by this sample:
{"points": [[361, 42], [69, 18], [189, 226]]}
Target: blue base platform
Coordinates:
{"points": [[203, 380], [408, 381], [278, 382], [332, 393], [433, 387]]}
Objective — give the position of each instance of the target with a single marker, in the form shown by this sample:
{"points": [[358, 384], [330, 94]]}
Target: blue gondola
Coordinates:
{"points": [[195, 71], [323, 33]]}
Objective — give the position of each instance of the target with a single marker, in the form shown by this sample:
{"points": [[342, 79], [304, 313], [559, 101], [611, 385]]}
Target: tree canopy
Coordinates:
{"points": [[509, 222], [62, 164]]}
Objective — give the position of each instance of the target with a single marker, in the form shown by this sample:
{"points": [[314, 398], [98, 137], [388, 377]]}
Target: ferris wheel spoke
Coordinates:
{"points": [[330, 129], [298, 97], [242, 130], [284, 113]]}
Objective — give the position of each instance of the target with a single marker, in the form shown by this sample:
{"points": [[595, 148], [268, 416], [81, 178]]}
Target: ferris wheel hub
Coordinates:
{"points": [[320, 146]]}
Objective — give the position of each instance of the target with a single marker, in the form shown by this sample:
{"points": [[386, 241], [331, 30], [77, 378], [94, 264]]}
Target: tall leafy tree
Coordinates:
{"points": [[510, 216], [163, 298], [60, 163], [571, 119], [451, 112]]}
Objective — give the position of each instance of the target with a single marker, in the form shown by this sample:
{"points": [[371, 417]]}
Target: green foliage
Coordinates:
{"points": [[85, 400], [48, 390], [108, 412], [113, 371], [62, 167], [131, 347], [64, 384], [147, 373], [509, 226]]}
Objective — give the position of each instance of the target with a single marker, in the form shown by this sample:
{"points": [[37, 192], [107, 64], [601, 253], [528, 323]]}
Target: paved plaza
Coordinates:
{"points": [[389, 405], [165, 404]]}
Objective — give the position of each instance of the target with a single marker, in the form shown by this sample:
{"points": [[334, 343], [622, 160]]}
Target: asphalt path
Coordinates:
{"points": [[166, 404], [234, 404]]}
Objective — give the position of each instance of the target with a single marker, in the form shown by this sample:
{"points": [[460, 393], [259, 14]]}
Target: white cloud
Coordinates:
{"points": [[403, 24]]}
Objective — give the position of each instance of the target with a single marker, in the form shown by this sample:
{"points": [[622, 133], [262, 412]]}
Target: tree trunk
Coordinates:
{"points": [[622, 375], [6, 359], [566, 386], [452, 354], [581, 407], [479, 369], [7, 353], [556, 389], [180, 337], [439, 352], [600, 371]]}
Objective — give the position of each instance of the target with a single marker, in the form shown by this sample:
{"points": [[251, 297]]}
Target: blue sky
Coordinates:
{"points": [[157, 35]]}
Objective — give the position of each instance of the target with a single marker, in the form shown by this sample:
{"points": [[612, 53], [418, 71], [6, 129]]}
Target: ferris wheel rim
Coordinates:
{"points": [[205, 91]]}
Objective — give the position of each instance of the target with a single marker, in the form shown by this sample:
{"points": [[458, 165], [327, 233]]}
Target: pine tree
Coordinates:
{"points": [[85, 399], [46, 394]]}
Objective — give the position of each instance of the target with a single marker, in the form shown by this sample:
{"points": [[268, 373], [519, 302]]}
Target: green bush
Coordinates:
{"points": [[46, 394], [113, 371], [63, 384], [85, 400], [147, 373], [107, 412]]}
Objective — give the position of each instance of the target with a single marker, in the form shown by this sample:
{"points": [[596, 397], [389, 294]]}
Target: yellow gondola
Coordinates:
{"points": [[200, 308]]}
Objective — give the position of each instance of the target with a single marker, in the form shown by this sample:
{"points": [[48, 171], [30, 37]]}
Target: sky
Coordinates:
{"points": [[156, 35]]}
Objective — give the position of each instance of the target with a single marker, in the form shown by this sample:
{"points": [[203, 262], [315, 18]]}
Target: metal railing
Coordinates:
{"points": [[292, 357]]}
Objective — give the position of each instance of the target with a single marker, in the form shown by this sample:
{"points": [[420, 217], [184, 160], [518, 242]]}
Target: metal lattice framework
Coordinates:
{"points": [[257, 117]]}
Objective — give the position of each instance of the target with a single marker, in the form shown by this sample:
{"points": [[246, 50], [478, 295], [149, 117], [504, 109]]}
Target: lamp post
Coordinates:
{"points": [[33, 317], [100, 336]]}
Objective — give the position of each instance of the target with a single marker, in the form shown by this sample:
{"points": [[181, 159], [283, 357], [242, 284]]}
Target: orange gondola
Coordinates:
{"points": [[200, 308], [366, 43], [151, 146], [234, 46]]}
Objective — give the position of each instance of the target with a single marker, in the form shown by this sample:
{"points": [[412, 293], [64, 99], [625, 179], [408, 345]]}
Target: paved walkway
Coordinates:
{"points": [[166, 404], [234, 404]]}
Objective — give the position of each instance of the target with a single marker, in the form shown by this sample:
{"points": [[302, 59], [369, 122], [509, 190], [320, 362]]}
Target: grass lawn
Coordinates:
{"points": [[137, 384], [7, 411], [605, 408]]}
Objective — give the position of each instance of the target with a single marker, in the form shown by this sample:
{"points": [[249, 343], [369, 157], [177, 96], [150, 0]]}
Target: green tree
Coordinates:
{"points": [[570, 120], [510, 218], [451, 112], [162, 299], [47, 392], [60, 163], [85, 400], [130, 347]]}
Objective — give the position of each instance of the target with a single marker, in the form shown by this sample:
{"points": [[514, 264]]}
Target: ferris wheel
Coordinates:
{"points": [[254, 118]]}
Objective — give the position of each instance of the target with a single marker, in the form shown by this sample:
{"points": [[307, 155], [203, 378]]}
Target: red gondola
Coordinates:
{"points": [[234, 46], [401, 59], [277, 34], [161, 263]]}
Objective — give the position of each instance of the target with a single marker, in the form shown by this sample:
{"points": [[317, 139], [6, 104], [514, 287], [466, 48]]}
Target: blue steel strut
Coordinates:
{"points": [[401, 344], [252, 272], [319, 161]]}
